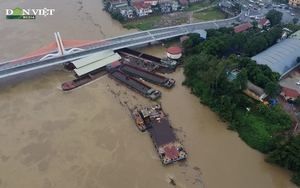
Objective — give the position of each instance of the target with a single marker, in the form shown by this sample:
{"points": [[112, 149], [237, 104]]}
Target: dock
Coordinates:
{"points": [[148, 76]]}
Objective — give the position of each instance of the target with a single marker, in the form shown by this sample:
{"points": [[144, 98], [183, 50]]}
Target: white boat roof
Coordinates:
{"points": [[92, 58], [97, 64]]}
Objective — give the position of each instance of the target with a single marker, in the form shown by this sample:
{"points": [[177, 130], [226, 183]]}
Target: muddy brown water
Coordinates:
{"points": [[87, 138]]}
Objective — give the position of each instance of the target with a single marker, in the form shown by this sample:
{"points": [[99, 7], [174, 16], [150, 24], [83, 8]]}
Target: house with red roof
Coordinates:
{"points": [[263, 22], [289, 94], [183, 3], [141, 8], [242, 28]]}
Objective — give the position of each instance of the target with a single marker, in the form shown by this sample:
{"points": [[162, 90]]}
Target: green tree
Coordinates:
{"points": [[272, 89], [274, 16], [239, 40], [254, 23], [187, 43], [255, 45], [214, 46], [295, 20]]}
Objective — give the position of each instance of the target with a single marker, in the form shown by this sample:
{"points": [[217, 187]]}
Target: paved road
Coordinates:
{"points": [[260, 12]]}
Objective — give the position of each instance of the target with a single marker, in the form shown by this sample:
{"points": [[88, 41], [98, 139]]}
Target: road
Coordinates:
{"points": [[260, 12]]}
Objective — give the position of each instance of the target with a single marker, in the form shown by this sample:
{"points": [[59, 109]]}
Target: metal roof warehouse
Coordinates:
{"points": [[281, 57]]}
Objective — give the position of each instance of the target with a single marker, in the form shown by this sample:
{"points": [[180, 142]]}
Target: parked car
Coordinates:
{"points": [[298, 83]]}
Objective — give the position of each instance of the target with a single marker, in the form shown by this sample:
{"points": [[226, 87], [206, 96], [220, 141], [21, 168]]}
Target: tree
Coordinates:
{"points": [[295, 20], [274, 16], [272, 88], [239, 40], [255, 45], [254, 23], [187, 43]]}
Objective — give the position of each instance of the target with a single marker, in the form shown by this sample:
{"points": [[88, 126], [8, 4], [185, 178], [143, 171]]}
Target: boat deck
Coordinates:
{"points": [[161, 132], [131, 82], [143, 74]]}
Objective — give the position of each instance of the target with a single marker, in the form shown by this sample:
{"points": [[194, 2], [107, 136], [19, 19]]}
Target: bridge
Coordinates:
{"points": [[62, 55]]}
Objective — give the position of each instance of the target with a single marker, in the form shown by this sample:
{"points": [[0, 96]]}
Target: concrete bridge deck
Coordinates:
{"points": [[130, 40]]}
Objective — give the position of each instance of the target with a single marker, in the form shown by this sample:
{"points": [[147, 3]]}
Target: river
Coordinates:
{"points": [[86, 138]]}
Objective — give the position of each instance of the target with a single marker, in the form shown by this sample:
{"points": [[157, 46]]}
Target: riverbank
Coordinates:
{"points": [[49, 138]]}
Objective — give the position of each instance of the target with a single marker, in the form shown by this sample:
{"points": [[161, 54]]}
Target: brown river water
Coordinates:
{"points": [[86, 138]]}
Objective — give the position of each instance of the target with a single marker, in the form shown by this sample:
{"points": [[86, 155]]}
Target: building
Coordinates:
{"points": [[194, 1], [263, 23], [225, 5], [168, 5], [281, 57], [117, 4], [294, 3], [152, 2], [183, 3], [142, 9], [174, 52], [289, 94], [183, 38], [255, 92], [242, 28]]}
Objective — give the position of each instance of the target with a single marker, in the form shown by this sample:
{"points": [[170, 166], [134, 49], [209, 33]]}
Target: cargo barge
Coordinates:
{"points": [[168, 147], [148, 59], [135, 85], [81, 80], [148, 76]]}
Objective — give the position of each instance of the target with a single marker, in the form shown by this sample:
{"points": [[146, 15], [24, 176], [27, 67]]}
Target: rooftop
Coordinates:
{"points": [[174, 50], [280, 57], [243, 27], [255, 89], [295, 35], [290, 92], [263, 21]]}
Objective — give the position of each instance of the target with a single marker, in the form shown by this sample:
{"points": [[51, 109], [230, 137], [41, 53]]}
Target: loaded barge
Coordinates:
{"points": [[135, 85], [148, 76], [148, 59], [169, 149], [79, 81]]}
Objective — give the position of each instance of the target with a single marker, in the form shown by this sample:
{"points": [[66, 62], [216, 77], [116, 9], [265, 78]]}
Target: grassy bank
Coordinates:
{"points": [[209, 14], [197, 6], [144, 23]]}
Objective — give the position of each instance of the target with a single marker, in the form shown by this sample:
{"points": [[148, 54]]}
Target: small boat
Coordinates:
{"points": [[139, 122]]}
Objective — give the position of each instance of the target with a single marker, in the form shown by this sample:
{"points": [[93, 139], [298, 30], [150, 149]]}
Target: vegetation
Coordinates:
{"points": [[198, 6], [274, 16], [207, 72], [209, 14], [143, 24], [295, 20]]}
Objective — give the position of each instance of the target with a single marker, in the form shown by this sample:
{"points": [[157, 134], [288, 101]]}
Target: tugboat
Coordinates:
{"points": [[139, 122]]}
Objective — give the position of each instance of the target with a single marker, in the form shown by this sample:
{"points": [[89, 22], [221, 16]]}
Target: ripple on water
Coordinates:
{"points": [[47, 183], [36, 152], [41, 105], [33, 133], [43, 165]]}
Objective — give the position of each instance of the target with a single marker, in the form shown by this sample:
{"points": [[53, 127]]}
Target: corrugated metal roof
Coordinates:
{"points": [[280, 57], [96, 65], [93, 58]]}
